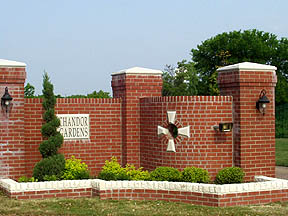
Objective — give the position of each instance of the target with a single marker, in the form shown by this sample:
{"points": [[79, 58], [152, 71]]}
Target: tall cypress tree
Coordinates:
{"points": [[52, 163]]}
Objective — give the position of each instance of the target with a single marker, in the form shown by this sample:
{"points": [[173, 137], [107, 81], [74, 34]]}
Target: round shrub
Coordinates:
{"points": [[194, 174], [136, 174], [112, 170], [53, 165], [230, 175], [165, 174], [75, 170]]}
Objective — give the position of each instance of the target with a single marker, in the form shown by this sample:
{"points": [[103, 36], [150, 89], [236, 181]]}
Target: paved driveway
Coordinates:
{"points": [[281, 172]]}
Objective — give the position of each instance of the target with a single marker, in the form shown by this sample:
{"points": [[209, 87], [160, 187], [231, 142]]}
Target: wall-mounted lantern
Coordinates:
{"points": [[6, 100], [223, 127], [262, 102]]}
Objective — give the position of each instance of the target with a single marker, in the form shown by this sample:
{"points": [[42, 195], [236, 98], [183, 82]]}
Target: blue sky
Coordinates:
{"points": [[80, 43]]}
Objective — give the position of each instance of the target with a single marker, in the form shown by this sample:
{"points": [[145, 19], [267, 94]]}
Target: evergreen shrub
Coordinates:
{"points": [[165, 174], [230, 175], [52, 164], [194, 174]]}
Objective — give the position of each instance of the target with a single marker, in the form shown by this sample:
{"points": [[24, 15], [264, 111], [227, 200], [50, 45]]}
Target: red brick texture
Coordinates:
{"points": [[230, 199], [105, 131], [43, 194], [206, 148], [254, 133], [12, 148], [131, 88], [233, 199], [126, 126]]}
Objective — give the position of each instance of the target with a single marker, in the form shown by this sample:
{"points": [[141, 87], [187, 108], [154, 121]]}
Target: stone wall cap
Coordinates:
{"points": [[248, 66], [138, 71], [8, 63]]}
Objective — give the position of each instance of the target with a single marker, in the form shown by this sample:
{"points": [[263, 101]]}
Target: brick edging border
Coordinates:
{"points": [[263, 190]]}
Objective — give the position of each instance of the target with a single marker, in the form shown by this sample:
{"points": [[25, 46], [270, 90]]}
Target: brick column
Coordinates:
{"points": [[253, 132], [12, 149], [131, 85]]}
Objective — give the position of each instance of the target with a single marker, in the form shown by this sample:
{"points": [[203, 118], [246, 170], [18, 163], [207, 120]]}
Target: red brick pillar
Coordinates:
{"points": [[12, 149], [131, 85], [253, 132]]}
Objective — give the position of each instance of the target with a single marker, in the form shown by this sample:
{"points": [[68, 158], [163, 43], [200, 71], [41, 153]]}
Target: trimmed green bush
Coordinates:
{"points": [[194, 174], [230, 175], [165, 174], [113, 171], [75, 169], [136, 174], [52, 165]]}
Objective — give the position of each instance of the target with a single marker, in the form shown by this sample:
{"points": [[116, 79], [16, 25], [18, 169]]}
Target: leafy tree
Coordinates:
{"points": [[240, 46], [29, 90], [182, 80], [52, 164], [94, 94]]}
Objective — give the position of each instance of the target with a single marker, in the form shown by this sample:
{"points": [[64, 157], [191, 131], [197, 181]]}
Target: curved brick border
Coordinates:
{"points": [[264, 190]]}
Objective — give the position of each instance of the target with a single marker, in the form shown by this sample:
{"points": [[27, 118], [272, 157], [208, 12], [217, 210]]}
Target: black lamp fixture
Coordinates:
{"points": [[6, 100], [262, 102]]}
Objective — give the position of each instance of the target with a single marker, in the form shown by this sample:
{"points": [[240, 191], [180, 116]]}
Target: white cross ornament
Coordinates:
{"points": [[185, 131]]}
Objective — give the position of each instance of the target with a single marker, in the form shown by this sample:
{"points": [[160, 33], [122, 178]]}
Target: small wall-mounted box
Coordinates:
{"points": [[223, 127]]}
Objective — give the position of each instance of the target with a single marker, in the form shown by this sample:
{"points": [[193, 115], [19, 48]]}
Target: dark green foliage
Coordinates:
{"points": [[111, 176], [48, 130], [240, 46], [165, 174], [194, 174], [230, 175], [50, 147], [182, 80], [50, 178], [49, 115], [29, 91], [281, 121], [94, 94], [53, 165]]}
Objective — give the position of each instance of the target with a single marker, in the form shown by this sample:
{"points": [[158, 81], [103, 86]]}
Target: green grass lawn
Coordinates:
{"points": [[94, 206], [282, 152]]}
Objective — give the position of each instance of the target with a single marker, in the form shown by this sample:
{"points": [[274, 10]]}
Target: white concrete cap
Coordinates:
{"points": [[8, 63], [248, 66], [138, 70]]}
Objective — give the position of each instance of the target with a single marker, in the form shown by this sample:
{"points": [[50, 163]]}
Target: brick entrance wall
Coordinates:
{"points": [[12, 148], [254, 133], [126, 126], [206, 148]]}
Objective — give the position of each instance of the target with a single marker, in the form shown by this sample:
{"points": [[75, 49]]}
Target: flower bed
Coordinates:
{"points": [[263, 190]]}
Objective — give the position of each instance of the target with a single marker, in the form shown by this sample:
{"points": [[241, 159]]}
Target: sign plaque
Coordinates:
{"points": [[74, 126]]}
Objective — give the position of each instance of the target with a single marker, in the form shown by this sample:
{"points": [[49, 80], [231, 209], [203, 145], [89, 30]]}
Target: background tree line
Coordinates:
{"points": [[198, 76], [29, 92]]}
